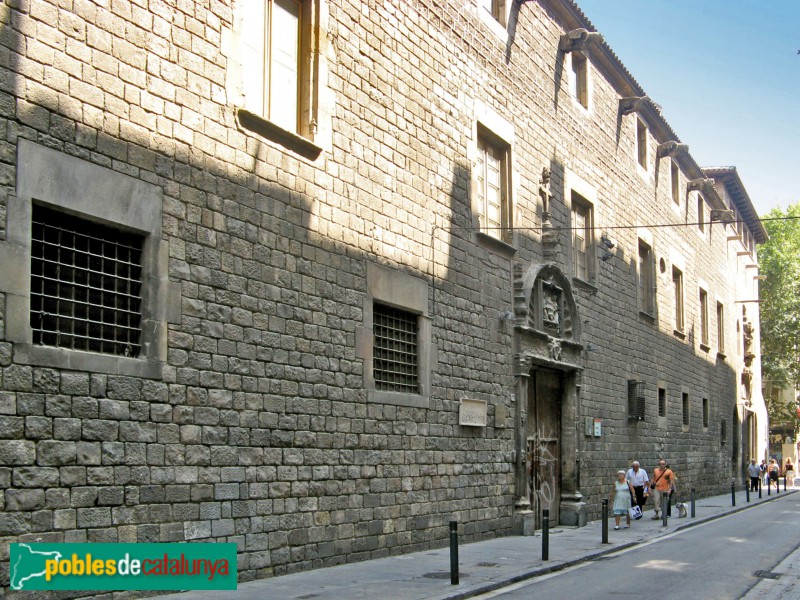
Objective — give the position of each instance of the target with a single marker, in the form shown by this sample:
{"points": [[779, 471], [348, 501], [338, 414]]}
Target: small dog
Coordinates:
{"points": [[681, 509]]}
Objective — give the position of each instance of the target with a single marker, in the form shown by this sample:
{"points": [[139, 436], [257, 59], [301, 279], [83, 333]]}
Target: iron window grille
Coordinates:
{"points": [[636, 400], [685, 404], [86, 285], [395, 358]]}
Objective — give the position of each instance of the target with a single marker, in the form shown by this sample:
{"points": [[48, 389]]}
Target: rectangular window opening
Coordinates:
{"points": [[662, 402], [496, 8], [641, 142], [636, 400], [646, 278], [579, 80], [86, 284], [677, 282], [685, 408], [720, 327], [705, 413], [723, 432], [493, 195], [704, 317], [272, 42], [701, 214], [582, 238], [675, 178], [395, 358]]}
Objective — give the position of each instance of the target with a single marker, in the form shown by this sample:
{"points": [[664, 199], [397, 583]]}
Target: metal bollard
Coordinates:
{"points": [[664, 508], [545, 534], [784, 483], [769, 486], [733, 494], [747, 491], [453, 552], [604, 516], [759, 487], [691, 497], [778, 486]]}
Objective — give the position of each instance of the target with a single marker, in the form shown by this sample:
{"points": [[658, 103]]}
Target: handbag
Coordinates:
{"points": [[635, 512]]}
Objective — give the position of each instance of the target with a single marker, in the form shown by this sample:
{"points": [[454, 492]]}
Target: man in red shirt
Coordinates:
{"points": [[663, 483]]}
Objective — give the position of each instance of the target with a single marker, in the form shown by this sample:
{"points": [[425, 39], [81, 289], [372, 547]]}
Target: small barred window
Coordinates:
{"points": [[395, 350], [86, 285]]}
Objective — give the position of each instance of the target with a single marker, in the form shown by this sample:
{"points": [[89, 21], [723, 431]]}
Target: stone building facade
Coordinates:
{"points": [[319, 276]]}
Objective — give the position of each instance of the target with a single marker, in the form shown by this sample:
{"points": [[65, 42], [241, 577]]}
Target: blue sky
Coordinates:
{"points": [[727, 75]]}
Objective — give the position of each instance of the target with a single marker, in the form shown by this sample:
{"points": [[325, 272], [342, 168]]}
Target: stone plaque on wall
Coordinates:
{"points": [[472, 413]]}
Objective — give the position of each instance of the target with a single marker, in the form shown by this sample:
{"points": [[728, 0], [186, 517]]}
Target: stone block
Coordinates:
{"points": [[56, 453], [24, 500], [17, 452], [35, 477]]}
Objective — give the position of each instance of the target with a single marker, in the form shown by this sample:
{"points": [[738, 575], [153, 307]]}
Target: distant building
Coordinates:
{"points": [[319, 276]]}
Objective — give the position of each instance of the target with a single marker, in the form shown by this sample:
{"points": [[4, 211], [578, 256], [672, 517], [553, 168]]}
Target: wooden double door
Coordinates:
{"points": [[543, 431]]}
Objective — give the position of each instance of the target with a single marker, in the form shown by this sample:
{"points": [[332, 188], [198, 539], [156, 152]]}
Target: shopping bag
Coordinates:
{"points": [[635, 512]]}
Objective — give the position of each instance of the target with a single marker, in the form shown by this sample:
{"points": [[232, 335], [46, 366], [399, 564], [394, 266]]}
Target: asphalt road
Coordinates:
{"points": [[717, 560]]}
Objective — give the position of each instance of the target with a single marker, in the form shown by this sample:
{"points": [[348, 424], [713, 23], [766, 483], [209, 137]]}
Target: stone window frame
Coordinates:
{"points": [[678, 288], [392, 287], [489, 126], [637, 399], [580, 205], [314, 133], [720, 328], [70, 184], [580, 79], [489, 144], [706, 412], [662, 390], [496, 18], [723, 433], [686, 409], [646, 300], [642, 148], [575, 185], [701, 215], [703, 316], [675, 183]]}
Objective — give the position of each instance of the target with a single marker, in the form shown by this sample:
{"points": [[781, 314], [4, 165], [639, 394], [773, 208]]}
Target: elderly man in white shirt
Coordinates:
{"points": [[639, 480]]}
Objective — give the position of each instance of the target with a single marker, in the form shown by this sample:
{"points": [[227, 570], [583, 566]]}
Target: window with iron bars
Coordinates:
{"points": [[86, 284], [395, 351], [635, 400]]}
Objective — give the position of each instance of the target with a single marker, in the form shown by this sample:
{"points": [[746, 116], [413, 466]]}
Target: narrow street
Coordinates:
{"points": [[719, 560]]}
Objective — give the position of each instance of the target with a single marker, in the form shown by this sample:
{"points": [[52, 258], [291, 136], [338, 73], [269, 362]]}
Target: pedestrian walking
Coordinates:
{"points": [[763, 468], [754, 472], [663, 483], [639, 480], [774, 471], [620, 499], [788, 472]]}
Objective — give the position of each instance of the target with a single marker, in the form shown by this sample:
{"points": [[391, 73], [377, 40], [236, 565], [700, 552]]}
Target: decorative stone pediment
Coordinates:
{"points": [[544, 302], [546, 319]]}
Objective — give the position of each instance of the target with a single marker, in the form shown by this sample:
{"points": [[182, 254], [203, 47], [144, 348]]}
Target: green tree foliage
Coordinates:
{"points": [[779, 261]]}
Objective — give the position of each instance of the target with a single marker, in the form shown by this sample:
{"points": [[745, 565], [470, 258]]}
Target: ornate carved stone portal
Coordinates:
{"points": [[548, 360]]}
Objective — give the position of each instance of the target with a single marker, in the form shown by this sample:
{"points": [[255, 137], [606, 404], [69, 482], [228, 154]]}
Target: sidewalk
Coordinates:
{"points": [[484, 566]]}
